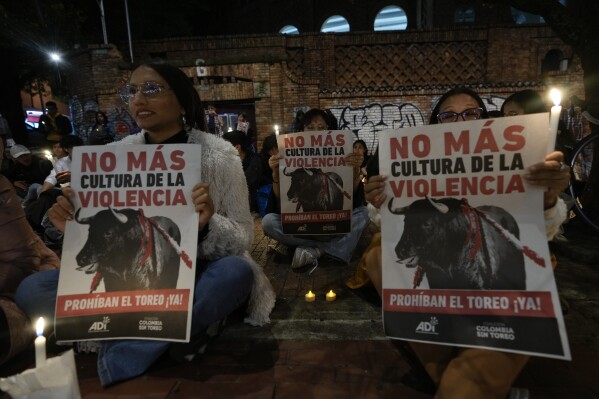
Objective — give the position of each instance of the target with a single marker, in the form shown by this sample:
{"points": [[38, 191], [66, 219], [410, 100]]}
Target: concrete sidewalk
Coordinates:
{"points": [[338, 350]]}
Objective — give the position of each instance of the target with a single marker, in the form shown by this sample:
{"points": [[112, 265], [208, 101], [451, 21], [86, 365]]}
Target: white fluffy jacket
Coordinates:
{"points": [[231, 226]]}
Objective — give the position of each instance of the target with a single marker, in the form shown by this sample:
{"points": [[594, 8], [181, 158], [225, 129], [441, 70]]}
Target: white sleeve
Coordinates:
{"points": [[554, 217]]}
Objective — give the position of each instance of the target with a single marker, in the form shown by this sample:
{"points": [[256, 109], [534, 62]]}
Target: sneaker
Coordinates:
{"points": [[519, 393], [88, 347], [305, 256]]}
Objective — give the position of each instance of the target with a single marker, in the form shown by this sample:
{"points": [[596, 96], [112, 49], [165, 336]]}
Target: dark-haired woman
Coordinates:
{"points": [[166, 106], [101, 132], [308, 249], [470, 373]]}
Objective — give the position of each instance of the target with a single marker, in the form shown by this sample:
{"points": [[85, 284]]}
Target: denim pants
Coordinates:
{"points": [[221, 287], [32, 192], [341, 246]]}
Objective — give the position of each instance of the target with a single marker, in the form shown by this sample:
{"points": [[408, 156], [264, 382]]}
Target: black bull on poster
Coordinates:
{"points": [[456, 246], [130, 251], [314, 190]]}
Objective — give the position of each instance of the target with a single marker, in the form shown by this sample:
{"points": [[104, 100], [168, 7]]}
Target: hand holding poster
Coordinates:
{"points": [[465, 256], [316, 182], [128, 260]]}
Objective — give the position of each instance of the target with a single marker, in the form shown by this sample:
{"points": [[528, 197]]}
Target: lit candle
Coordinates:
{"points": [[310, 297], [277, 130], [40, 343], [556, 110], [331, 296]]}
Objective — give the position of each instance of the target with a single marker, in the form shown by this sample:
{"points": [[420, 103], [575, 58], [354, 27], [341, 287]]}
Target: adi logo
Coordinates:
{"points": [[428, 327], [100, 326], [303, 227]]}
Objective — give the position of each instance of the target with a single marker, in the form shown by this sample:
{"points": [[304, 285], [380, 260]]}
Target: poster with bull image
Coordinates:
{"points": [[316, 183], [128, 258], [464, 246]]}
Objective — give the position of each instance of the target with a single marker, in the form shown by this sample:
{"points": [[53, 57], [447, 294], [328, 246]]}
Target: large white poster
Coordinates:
{"points": [[465, 255]]}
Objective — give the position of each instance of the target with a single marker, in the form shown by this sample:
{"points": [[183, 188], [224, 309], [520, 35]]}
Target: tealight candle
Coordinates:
{"points": [[310, 297], [331, 296], [556, 110], [40, 343]]}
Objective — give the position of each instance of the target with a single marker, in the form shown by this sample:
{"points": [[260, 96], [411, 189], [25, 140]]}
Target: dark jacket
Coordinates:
{"points": [[36, 172], [253, 175]]}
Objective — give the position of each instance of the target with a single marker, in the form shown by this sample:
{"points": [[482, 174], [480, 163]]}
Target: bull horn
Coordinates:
{"points": [[438, 206], [86, 220], [309, 172], [119, 216], [284, 169], [397, 211]]}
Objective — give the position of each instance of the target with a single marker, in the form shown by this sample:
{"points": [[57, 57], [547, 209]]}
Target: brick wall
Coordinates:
{"points": [[370, 80]]}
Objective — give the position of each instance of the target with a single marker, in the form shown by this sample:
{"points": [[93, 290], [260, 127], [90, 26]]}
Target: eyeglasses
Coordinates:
{"points": [[313, 128], [470, 114], [148, 89]]}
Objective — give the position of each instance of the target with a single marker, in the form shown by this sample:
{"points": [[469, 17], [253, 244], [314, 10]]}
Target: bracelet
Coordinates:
{"points": [[275, 182]]}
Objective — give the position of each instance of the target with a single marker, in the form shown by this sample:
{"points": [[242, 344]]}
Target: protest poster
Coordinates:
{"points": [[315, 182], [128, 258], [243, 126], [464, 246]]}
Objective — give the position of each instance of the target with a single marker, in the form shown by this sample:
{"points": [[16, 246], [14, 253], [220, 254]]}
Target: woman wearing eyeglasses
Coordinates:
{"points": [[166, 106], [469, 372]]}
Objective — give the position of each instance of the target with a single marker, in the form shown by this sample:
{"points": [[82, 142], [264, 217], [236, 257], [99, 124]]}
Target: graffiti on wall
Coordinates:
{"points": [[84, 117], [367, 121]]}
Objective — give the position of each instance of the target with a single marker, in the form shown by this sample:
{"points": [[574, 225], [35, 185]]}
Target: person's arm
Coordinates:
{"points": [[227, 213], [50, 181], [253, 173], [374, 190], [273, 162], [355, 160], [552, 174]]}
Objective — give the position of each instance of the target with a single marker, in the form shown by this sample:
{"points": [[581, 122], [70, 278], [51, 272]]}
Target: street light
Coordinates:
{"points": [[56, 58]]}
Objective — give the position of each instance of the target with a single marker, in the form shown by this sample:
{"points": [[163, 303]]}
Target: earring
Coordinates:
{"points": [[184, 120]]}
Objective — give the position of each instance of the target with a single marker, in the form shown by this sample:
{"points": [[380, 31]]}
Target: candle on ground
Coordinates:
{"points": [[556, 110], [310, 297], [40, 343], [331, 296]]}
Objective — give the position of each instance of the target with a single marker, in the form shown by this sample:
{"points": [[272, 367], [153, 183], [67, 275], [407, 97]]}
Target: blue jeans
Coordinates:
{"points": [[32, 192], [340, 246], [221, 287]]}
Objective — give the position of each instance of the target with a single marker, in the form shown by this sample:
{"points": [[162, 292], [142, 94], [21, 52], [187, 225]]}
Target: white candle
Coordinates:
{"points": [[556, 110], [277, 130], [40, 343]]}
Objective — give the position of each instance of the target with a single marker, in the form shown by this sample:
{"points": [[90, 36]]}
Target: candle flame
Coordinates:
{"points": [[331, 293], [556, 96], [39, 327]]}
